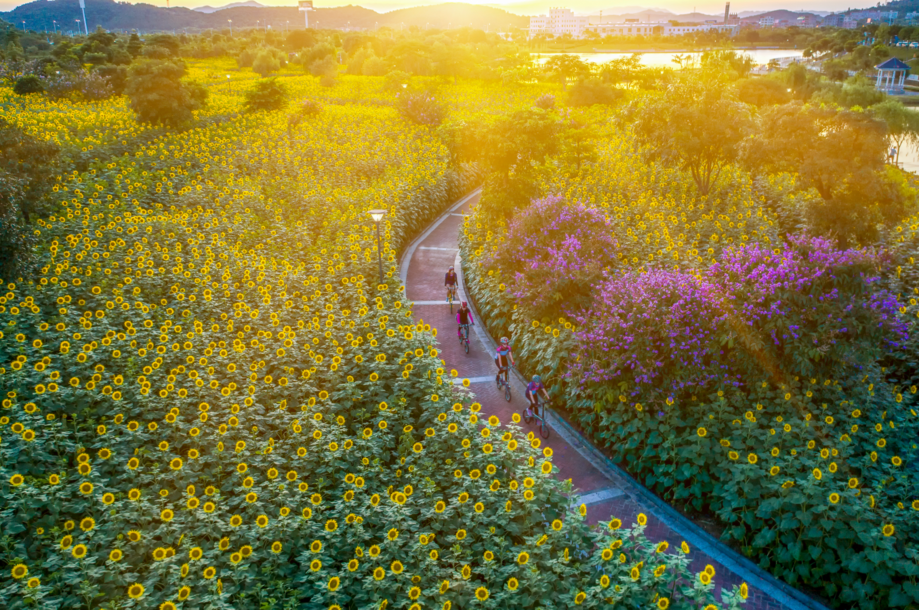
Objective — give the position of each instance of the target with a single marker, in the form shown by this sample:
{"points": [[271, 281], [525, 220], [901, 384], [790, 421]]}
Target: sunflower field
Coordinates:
{"points": [[764, 379], [210, 400]]}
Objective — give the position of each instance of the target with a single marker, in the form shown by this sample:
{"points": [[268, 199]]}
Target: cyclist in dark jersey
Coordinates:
{"points": [[450, 282], [463, 317], [533, 388], [503, 356]]}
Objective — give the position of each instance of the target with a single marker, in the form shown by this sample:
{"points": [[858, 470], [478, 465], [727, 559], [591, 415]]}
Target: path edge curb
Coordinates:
{"points": [[751, 573]]}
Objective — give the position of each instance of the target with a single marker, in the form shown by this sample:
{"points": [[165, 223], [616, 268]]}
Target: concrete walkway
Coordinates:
{"points": [[607, 491]]}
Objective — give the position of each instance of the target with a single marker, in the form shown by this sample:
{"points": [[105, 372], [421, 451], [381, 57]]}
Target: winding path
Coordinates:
{"points": [[607, 491]]}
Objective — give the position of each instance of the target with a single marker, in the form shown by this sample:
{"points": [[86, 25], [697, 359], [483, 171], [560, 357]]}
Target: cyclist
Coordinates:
{"points": [[450, 283], [503, 356], [463, 318], [533, 388]]}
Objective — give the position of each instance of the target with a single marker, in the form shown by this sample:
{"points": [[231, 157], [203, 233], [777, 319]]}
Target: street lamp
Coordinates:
{"points": [[230, 21], [377, 216], [78, 25]]}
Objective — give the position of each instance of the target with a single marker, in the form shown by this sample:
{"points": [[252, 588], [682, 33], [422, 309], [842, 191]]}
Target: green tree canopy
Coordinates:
{"points": [[695, 125], [158, 94]]}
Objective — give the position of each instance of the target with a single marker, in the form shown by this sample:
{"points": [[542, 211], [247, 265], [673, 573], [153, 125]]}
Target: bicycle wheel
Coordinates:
{"points": [[544, 426], [507, 391], [466, 345], [527, 418]]}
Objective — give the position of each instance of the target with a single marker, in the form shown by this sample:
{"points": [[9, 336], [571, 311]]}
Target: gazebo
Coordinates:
{"points": [[891, 76]]}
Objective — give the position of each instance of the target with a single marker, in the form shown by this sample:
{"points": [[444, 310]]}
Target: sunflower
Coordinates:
{"points": [[276, 547], [209, 572], [663, 603], [115, 555], [396, 567], [183, 594], [378, 574], [19, 571], [481, 594], [888, 530], [136, 591], [79, 551], [579, 598]]}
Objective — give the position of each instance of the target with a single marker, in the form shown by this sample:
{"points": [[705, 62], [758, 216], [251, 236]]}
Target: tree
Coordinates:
{"points": [[25, 164], [158, 94], [762, 91], [268, 94], [590, 91], [265, 63], [27, 84], [827, 148], [514, 149], [135, 46], [902, 123], [840, 154], [696, 126], [565, 67]]}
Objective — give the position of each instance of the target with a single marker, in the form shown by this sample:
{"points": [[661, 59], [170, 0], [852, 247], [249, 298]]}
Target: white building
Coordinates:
{"points": [[658, 29], [558, 22]]}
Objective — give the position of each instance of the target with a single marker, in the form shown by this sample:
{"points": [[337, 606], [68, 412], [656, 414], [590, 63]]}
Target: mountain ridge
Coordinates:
{"points": [[120, 16]]}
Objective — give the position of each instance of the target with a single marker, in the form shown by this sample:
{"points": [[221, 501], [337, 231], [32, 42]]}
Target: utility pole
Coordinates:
{"points": [[83, 8]]}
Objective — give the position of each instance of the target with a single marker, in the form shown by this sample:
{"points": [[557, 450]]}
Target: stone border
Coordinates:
{"points": [[752, 574]]}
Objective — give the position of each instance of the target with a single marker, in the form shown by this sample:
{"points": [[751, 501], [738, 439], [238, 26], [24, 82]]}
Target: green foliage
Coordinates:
{"points": [[856, 91], [566, 67], [759, 91], [590, 91], [267, 94], [841, 155], [28, 84], [695, 125], [158, 94], [265, 63], [25, 164]]}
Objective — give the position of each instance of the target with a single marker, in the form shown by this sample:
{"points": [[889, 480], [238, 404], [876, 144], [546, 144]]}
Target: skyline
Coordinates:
{"points": [[530, 7]]}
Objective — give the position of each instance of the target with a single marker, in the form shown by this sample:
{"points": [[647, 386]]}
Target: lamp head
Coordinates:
{"points": [[377, 215]]}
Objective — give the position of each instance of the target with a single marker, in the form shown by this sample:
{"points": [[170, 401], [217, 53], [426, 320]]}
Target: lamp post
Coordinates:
{"points": [[230, 21], [377, 216], [78, 25], [54, 25]]}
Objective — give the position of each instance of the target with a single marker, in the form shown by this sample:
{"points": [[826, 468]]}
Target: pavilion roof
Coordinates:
{"points": [[892, 64]]}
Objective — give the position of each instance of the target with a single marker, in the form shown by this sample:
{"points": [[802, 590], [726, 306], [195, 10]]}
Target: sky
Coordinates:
{"points": [[532, 7]]}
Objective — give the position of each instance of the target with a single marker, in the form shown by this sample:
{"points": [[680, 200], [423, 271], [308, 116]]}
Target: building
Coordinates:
{"points": [[766, 22], [558, 22], [658, 29]]}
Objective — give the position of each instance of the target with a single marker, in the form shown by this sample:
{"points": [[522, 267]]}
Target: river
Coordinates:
{"points": [[760, 56]]}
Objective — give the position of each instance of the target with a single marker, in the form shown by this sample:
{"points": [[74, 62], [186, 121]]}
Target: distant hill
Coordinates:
{"points": [[780, 15], [119, 16], [214, 9]]}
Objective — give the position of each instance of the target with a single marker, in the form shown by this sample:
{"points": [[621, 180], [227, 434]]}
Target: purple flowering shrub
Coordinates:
{"points": [[554, 254], [421, 108], [805, 309]]}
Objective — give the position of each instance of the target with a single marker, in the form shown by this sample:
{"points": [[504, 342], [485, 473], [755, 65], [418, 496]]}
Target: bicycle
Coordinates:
{"points": [[451, 294], [464, 336], [539, 416], [503, 382]]}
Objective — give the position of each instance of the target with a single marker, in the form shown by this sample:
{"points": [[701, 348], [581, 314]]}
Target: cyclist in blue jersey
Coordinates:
{"points": [[533, 388], [450, 281], [502, 357]]}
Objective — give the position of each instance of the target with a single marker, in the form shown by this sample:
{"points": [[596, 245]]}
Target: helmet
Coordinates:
{"points": [[505, 341], [537, 379], [450, 268], [464, 305]]}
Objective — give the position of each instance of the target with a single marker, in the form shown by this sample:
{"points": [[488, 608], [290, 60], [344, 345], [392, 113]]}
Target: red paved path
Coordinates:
{"points": [[424, 282]]}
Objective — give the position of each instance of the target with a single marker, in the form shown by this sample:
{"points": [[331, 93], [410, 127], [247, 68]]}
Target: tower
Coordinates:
{"points": [[306, 6], [727, 12]]}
